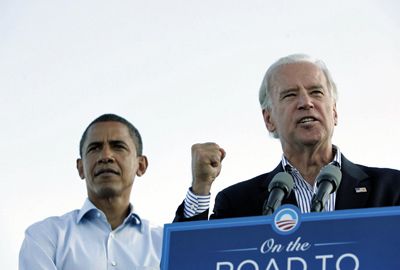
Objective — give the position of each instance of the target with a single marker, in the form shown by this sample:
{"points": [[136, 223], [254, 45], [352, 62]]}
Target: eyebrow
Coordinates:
{"points": [[295, 89], [114, 142], [94, 143], [289, 90], [111, 142]]}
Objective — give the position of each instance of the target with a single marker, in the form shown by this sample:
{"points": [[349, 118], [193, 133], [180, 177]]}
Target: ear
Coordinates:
{"points": [[269, 123], [335, 115], [79, 167], [143, 164]]}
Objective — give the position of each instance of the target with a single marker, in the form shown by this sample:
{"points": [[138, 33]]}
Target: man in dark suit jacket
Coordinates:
{"points": [[298, 101], [382, 188]]}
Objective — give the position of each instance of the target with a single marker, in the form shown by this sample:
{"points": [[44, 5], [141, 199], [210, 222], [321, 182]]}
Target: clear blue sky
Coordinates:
{"points": [[182, 72]]}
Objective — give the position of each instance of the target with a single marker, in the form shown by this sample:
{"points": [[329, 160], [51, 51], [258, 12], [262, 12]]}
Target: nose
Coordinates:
{"points": [[106, 155], [305, 102]]}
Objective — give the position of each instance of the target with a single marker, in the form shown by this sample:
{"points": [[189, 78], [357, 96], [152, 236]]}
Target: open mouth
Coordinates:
{"points": [[106, 171], [305, 120]]}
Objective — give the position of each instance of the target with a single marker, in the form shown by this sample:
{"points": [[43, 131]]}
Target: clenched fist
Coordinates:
{"points": [[206, 166]]}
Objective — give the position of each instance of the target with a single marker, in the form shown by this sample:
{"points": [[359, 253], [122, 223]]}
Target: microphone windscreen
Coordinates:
{"points": [[330, 173], [282, 180]]}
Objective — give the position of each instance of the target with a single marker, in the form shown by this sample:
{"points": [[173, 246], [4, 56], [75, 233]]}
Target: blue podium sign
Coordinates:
{"points": [[365, 239]]}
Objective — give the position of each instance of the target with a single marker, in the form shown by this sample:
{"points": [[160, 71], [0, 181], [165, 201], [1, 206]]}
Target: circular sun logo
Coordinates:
{"points": [[286, 220]]}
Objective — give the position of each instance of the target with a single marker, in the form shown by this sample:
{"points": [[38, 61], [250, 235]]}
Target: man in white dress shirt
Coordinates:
{"points": [[105, 233]]}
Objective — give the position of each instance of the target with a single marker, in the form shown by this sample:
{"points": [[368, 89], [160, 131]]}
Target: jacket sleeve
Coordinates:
{"points": [[179, 216]]}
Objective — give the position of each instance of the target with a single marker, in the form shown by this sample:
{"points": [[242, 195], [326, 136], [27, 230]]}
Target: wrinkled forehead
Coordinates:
{"points": [[294, 75], [108, 131]]}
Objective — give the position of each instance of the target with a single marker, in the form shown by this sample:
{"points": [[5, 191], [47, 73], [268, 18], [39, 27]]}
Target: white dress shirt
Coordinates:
{"points": [[83, 240]]}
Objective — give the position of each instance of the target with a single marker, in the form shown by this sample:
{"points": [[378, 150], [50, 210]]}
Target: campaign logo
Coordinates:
{"points": [[286, 220]]}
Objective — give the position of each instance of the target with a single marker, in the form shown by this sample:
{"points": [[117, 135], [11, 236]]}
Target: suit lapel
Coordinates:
{"points": [[353, 191]]}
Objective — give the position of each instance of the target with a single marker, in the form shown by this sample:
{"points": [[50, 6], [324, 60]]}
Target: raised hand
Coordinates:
{"points": [[206, 166]]}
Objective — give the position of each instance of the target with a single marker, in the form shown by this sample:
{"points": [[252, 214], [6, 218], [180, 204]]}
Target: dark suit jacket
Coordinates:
{"points": [[247, 198]]}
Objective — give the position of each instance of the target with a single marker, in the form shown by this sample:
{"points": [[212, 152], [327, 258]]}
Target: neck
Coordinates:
{"points": [[309, 160], [116, 209]]}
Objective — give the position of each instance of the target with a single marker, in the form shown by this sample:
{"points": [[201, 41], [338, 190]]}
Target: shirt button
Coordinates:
{"points": [[192, 206], [112, 235], [114, 263]]}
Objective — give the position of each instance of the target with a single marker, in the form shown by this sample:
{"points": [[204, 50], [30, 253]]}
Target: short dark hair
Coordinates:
{"points": [[109, 117]]}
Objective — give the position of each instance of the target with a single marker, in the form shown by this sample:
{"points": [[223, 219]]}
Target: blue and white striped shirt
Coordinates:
{"points": [[304, 191], [195, 204]]}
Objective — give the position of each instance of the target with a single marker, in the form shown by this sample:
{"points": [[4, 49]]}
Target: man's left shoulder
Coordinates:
{"points": [[363, 172], [380, 173]]}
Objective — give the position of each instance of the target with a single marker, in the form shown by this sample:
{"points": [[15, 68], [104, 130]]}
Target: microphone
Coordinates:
{"points": [[279, 188], [328, 180]]}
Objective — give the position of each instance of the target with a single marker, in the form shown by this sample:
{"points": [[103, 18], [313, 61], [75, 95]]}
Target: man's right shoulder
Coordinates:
{"points": [[52, 224], [260, 181]]}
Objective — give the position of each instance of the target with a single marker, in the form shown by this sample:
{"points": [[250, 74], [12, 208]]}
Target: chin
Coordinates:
{"points": [[107, 192], [310, 140], [312, 135], [310, 143]]}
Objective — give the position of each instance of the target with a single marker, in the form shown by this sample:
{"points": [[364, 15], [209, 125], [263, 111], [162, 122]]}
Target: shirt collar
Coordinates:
{"points": [[89, 210], [337, 160]]}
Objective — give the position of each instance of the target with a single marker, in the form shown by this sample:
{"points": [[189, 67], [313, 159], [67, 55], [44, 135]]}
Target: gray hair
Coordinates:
{"points": [[266, 85]]}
